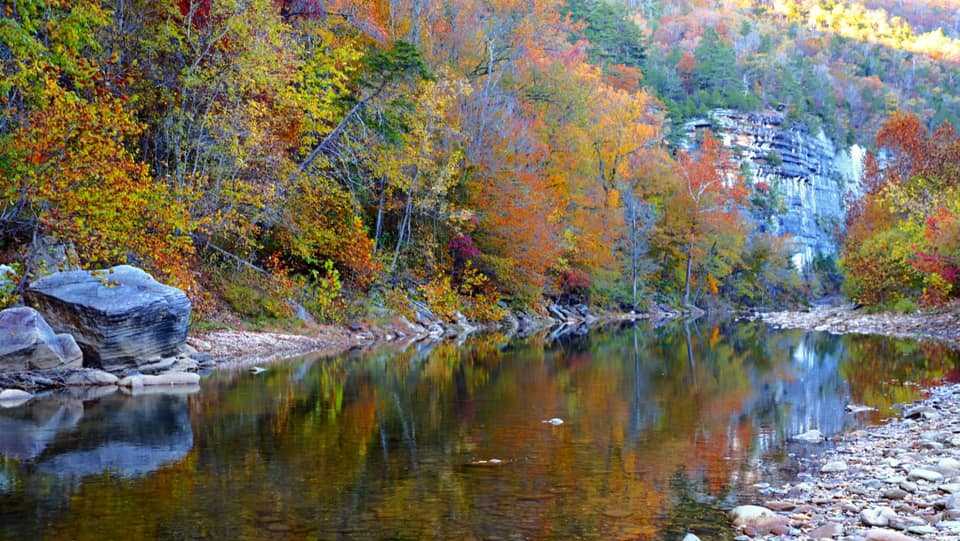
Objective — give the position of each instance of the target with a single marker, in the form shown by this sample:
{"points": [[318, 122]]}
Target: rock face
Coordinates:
{"points": [[808, 174], [28, 343], [120, 317]]}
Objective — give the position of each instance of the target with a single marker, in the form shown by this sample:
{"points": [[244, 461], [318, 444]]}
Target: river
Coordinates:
{"points": [[662, 430]]}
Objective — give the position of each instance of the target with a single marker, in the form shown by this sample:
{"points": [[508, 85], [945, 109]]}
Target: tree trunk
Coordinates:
{"points": [[686, 282], [379, 229]]}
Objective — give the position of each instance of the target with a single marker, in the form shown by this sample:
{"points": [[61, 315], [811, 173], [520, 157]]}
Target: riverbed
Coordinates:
{"points": [[655, 432]]}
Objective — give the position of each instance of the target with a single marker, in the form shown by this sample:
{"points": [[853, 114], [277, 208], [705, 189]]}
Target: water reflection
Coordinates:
{"points": [[663, 427]]}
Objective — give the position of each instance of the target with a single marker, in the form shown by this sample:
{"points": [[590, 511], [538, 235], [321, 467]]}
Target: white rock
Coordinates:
{"points": [[690, 537], [747, 514], [556, 421], [170, 378], [14, 397], [877, 516], [950, 488], [926, 475], [949, 464], [810, 436], [834, 467]]}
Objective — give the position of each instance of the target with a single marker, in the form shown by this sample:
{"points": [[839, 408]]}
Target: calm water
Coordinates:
{"points": [[663, 429]]}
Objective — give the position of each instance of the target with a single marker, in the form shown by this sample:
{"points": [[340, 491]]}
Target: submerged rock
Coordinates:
{"points": [[810, 436], [120, 317], [28, 343]]}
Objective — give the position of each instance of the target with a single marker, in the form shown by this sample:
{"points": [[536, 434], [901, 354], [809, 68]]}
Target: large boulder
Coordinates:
{"points": [[121, 317], [28, 343]]}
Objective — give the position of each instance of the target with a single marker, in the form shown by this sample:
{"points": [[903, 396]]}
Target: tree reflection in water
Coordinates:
{"points": [[663, 428]]}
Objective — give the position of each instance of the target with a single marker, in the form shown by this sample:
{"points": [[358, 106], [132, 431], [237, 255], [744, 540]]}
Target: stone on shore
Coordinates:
{"points": [[13, 397], [170, 378], [881, 534], [746, 515], [91, 378], [27, 342], [836, 466], [826, 531], [877, 516], [924, 475], [120, 317]]}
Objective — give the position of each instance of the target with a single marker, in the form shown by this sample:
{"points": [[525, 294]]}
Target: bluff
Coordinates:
{"points": [[801, 178]]}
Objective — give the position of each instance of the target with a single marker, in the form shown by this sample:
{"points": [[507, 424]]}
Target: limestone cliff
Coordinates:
{"points": [[802, 178]]}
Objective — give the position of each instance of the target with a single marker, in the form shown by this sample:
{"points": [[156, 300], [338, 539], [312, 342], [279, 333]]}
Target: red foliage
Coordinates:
{"points": [[197, 10], [574, 281], [463, 249]]}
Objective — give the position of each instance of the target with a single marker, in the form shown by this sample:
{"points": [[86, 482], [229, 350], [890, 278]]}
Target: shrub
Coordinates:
{"points": [[322, 294], [441, 298], [879, 270]]}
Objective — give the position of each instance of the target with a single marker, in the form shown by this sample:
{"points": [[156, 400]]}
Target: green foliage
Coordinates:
{"points": [[614, 38], [878, 270], [254, 296], [322, 294], [8, 287]]}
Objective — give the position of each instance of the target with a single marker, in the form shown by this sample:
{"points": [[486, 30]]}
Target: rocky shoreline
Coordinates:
{"points": [[893, 482], [942, 326], [135, 331]]}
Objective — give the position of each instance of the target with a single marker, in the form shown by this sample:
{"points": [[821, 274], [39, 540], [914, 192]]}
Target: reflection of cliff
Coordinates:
{"points": [[127, 436], [811, 394]]}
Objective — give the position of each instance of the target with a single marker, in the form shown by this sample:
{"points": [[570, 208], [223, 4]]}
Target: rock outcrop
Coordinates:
{"points": [[28, 343], [804, 176], [120, 317]]}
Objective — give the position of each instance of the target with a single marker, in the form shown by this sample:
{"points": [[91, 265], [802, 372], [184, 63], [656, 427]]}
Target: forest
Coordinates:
{"points": [[477, 156]]}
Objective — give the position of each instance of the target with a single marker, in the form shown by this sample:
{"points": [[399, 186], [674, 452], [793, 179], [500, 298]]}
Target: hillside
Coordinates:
{"points": [[286, 160]]}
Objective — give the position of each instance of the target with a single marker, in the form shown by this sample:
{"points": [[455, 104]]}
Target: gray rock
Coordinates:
{"points": [[922, 530], [909, 486], [28, 343], [828, 530], [120, 317], [880, 534], [92, 378], [925, 475], [895, 494]]}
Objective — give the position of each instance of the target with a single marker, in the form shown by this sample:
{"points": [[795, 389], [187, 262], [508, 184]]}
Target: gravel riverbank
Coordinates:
{"points": [[942, 325], [893, 482]]}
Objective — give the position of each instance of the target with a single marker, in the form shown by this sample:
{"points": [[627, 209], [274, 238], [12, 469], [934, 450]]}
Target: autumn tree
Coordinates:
{"points": [[707, 202]]}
